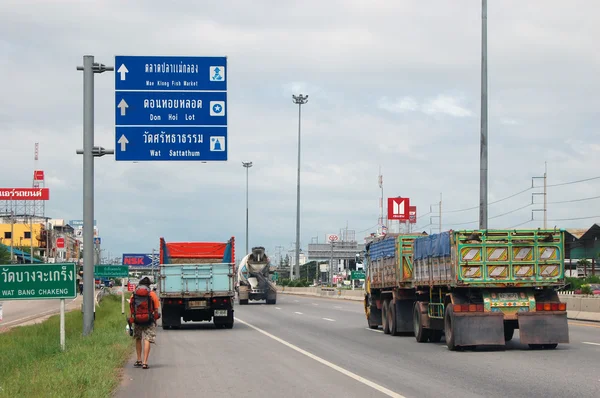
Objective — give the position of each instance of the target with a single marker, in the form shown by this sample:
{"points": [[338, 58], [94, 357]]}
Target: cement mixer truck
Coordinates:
{"points": [[254, 278]]}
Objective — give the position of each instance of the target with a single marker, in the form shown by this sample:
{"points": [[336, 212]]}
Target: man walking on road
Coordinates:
{"points": [[144, 306]]}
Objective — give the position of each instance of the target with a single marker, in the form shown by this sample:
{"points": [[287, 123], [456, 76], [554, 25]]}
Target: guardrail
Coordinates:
{"points": [[579, 307]]}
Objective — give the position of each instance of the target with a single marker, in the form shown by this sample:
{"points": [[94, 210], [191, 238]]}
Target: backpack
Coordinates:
{"points": [[142, 307]]}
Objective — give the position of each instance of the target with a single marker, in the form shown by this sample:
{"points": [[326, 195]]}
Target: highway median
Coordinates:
{"points": [[33, 364]]}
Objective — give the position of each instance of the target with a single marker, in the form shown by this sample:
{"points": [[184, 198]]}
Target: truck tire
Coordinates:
{"points": [[243, 302], [384, 316], [273, 301], [421, 334]]}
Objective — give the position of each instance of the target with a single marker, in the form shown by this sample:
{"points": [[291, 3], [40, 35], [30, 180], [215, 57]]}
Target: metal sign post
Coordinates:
{"points": [[89, 151]]}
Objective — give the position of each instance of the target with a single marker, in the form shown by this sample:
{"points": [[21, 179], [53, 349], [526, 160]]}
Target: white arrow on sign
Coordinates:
{"points": [[122, 106], [123, 141], [123, 71]]}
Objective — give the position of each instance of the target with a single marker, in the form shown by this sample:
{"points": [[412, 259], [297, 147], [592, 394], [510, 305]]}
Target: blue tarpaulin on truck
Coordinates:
{"points": [[383, 249], [435, 245]]}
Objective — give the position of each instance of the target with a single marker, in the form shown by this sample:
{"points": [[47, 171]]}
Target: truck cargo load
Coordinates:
{"points": [[196, 282], [254, 278], [471, 287]]}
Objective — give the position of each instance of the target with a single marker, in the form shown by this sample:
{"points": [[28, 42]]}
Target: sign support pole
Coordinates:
{"points": [[62, 324], [122, 296], [89, 152]]}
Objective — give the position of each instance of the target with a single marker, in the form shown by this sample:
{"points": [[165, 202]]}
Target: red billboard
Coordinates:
{"points": [[398, 209], [412, 214], [24, 193]]}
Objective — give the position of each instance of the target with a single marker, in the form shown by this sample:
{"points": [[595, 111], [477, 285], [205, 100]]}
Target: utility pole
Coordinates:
{"points": [[545, 209], [483, 188], [299, 100], [439, 216], [89, 151], [12, 231], [440, 212], [247, 165]]}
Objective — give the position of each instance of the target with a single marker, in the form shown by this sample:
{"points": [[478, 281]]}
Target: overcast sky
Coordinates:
{"points": [[391, 83]]}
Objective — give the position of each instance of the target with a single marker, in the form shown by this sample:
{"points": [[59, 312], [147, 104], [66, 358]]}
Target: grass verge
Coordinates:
{"points": [[33, 365]]}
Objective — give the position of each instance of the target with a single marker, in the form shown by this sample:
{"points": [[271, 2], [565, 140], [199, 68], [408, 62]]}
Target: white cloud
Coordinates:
{"points": [[445, 104], [401, 105]]}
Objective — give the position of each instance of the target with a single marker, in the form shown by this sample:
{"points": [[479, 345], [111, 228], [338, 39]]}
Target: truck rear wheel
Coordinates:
{"points": [[243, 302]]}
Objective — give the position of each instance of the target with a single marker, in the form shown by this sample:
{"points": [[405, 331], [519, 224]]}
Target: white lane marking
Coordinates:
{"points": [[296, 301], [587, 342], [330, 320], [315, 304], [375, 330], [333, 366], [338, 307], [277, 308], [299, 313]]}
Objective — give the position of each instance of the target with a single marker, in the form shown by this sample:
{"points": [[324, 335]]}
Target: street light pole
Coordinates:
{"points": [[299, 100], [247, 165], [483, 166]]}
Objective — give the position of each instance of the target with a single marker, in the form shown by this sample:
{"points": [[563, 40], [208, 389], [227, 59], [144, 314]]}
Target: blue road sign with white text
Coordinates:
{"points": [[166, 73], [171, 143], [143, 108], [170, 108]]}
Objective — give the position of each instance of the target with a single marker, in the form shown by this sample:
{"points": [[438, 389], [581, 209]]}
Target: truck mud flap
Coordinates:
{"points": [[543, 327], [472, 329]]}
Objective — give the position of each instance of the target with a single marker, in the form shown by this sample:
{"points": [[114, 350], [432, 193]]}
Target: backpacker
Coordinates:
{"points": [[142, 306]]}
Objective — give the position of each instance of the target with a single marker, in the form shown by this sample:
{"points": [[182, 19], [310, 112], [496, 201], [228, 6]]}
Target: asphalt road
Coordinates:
{"points": [[308, 346], [18, 312]]}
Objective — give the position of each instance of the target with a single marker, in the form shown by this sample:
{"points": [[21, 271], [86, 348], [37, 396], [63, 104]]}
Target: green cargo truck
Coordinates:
{"points": [[473, 287]]}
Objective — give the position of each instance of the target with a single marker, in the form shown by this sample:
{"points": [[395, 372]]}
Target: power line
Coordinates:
{"points": [[574, 200], [573, 219], [491, 203], [573, 182]]}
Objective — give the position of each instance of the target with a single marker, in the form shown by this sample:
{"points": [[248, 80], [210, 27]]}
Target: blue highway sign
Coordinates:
{"points": [[171, 143], [170, 73], [143, 108], [170, 108]]}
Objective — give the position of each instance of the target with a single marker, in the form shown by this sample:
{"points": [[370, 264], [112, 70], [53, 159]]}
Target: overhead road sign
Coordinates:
{"points": [[38, 282], [170, 108], [111, 271]]}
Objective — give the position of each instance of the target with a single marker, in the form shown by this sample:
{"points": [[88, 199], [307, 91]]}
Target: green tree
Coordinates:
{"points": [[4, 255]]}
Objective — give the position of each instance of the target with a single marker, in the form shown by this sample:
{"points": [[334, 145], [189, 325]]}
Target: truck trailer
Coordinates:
{"points": [[254, 282], [473, 287], [196, 282]]}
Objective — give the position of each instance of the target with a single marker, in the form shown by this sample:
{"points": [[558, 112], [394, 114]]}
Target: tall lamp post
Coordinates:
{"points": [[298, 100], [247, 165]]}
